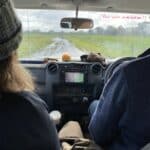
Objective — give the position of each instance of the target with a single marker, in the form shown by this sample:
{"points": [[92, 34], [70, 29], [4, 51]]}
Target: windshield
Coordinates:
{"points": [[113, 35]]}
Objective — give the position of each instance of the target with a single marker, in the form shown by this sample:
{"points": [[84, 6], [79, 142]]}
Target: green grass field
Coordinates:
{"points": [[34, 42], [109, 46]]}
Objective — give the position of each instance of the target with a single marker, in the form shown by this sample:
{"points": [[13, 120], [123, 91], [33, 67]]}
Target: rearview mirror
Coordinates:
{"points": [[76, 23]]}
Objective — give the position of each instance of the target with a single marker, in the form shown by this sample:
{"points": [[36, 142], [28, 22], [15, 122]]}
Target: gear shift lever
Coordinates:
{"points": [[55, 116]]}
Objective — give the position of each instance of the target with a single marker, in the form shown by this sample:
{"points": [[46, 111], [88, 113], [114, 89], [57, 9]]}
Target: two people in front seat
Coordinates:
{"points": [[25, 121], [120, 119]]}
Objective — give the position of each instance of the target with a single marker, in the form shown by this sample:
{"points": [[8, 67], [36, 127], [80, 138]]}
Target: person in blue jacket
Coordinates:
{"points": [[120, 118], [24, 120]]}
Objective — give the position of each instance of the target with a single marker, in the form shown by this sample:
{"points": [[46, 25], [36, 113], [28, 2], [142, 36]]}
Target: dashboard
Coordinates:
{"points": [[68, 86]]}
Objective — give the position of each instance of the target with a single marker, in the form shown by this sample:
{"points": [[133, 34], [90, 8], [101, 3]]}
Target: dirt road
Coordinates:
{"points": [[57, 48]]}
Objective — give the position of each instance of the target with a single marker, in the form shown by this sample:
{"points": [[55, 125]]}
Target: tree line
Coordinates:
{"points": [[141, 29]]}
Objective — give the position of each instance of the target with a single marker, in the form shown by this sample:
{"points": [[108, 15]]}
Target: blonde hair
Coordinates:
{"points": [[13, 76]]}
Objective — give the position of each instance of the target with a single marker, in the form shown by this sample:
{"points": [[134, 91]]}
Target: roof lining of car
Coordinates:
{"points": [[131, 6]]}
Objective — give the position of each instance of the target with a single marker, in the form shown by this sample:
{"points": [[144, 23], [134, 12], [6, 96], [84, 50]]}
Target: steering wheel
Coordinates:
{"points": [[114, 65]]}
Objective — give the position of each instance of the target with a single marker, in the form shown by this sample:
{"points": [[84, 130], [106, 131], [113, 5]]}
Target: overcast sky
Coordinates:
{"points": [[46, 20]]}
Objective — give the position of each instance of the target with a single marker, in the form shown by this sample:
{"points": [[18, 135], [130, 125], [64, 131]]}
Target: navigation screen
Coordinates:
{"points": [[74, 77]]}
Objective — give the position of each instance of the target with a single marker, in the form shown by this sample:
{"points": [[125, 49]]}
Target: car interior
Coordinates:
{"points": [[66, 80]]}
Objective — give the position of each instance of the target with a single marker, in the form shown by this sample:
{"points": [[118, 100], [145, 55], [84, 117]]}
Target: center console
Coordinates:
{"points": [[74, 85]]}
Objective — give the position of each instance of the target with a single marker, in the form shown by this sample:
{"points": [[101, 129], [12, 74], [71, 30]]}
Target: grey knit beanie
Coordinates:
{"points": [[10, 29]]}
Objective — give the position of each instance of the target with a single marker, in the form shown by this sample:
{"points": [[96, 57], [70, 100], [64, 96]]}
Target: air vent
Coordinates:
{"points": [[52, 67], [96, 68]]}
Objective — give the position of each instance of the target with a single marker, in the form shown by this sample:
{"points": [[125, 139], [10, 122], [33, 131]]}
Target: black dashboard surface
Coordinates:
{"points": [[68, 86]]}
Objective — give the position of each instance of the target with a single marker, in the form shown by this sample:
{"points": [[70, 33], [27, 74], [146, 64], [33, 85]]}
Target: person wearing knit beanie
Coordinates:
{"points": [[10, 29], [25, 122]]}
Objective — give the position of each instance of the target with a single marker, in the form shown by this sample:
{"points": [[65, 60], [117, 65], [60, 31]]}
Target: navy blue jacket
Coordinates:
{"points": [[25, 123], [121, 120]]}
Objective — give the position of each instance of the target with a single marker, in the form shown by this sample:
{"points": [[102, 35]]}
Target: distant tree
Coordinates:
{"points": [[35, 31], [141, 27], [121, 30], [144, 28], [99, 30], [91, 31], [51, 31], [111, 30]]}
